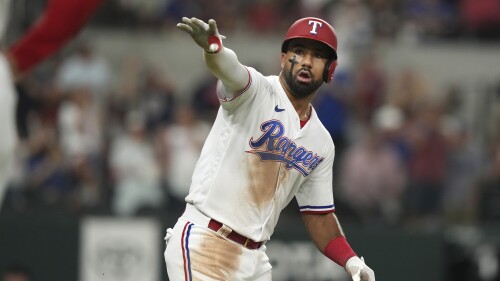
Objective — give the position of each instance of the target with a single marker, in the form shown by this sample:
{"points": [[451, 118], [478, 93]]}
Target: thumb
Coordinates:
{"points": [[212, 26]]}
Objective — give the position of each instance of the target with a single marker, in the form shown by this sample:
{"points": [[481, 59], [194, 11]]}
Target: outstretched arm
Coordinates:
{"points": [[222, 62], [60, 22], [327, 235]]}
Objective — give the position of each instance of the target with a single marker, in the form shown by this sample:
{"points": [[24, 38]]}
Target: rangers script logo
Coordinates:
{"points": [[274, 146]]}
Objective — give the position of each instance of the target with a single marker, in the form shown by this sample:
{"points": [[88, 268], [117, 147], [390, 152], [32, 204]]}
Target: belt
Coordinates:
{"points": [[227, 232]]}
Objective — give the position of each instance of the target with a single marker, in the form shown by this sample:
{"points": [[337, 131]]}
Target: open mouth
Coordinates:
{"points": [[304, 76]]}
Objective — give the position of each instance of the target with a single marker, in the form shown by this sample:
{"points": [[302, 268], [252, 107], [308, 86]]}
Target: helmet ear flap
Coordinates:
{"points": [[329, 70]]}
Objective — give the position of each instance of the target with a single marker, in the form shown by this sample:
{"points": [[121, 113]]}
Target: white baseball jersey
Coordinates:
{"points": [[256, 158]]}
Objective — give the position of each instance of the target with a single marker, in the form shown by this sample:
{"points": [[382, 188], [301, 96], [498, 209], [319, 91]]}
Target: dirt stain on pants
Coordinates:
{"points": [[215, 257]]}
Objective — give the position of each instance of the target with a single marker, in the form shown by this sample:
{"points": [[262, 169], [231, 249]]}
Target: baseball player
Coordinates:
{"points": [[61, 20], [266, 146]]}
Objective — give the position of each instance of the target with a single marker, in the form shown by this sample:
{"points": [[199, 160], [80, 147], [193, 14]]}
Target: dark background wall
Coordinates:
{"points": [[49, 246]]}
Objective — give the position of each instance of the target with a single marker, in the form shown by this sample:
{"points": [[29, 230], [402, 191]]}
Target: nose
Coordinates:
{"points": [[307, 60]]}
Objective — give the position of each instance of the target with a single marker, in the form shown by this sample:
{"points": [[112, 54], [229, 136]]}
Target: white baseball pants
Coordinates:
{"points": [[194, 252]]}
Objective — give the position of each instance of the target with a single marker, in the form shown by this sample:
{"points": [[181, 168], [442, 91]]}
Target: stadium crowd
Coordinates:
{"points": [[389, 19], [92, 145]]}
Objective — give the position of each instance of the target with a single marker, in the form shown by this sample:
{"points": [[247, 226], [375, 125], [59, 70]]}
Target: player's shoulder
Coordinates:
{"points": [[264, 83], [273, 80], [260, 77], [275, 87], [254, 73]]}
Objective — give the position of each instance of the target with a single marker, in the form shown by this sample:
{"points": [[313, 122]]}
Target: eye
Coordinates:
{"points": [[319, 55], [298, 51]]}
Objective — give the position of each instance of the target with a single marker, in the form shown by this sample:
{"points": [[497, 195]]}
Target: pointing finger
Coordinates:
{"points": [[200, 24], [189, 22], [185, 28], [186, 21], [212, 26]]}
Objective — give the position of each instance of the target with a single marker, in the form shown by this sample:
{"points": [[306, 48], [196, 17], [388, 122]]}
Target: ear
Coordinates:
{"points": [[282, 60]]}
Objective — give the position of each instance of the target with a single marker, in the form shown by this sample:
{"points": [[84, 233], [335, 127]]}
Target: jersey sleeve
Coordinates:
{"points": [[315, 195], [254, 92], [61, 21]]}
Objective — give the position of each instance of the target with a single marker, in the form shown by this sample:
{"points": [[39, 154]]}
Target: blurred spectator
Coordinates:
{"points": [[263, 16], [205, 100], [46, 174], [63, 168], [390, 120], [26, 104], [131, 76], [41, 177], [144, 88], [126, 96], [354, 25], [134, 169], [332, 106], [370, 81], [481, 18], [408, 90], [180, 146], [47, 102], [386, 18], [288, 11], [146, 12], [465, 163], [85, 69], [431, 18], [39, 99], [17, 273], [453, 103], [373, 180], [80, 126], [313, 8], [226, 13], [113, 14], [428, 168], [174, 10], [362, 20], [157, 100]]}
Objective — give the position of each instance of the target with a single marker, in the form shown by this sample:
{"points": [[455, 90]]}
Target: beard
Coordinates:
{"points": [[298, 89]]}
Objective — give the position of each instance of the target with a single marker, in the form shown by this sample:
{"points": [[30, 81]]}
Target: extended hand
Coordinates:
{"points": [[358, 270], [205, 35]]}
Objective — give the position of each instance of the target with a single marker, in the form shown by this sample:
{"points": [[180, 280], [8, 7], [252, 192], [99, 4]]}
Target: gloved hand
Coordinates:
{"points": [[358, 270], [205, 35]]}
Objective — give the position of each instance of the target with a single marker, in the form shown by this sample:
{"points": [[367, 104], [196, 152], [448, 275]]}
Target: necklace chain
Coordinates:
{"points": [[307, 114]]}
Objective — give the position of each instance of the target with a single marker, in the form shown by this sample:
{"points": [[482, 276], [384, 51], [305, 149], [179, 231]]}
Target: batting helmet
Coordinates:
{"points": [[319, 30]]}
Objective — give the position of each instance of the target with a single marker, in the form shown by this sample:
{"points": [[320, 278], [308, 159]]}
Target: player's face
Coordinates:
{"points": [[303, 65]]}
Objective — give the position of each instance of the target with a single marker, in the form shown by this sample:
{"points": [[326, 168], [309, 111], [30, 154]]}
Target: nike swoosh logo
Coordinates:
{"points": [[277, 109]]}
